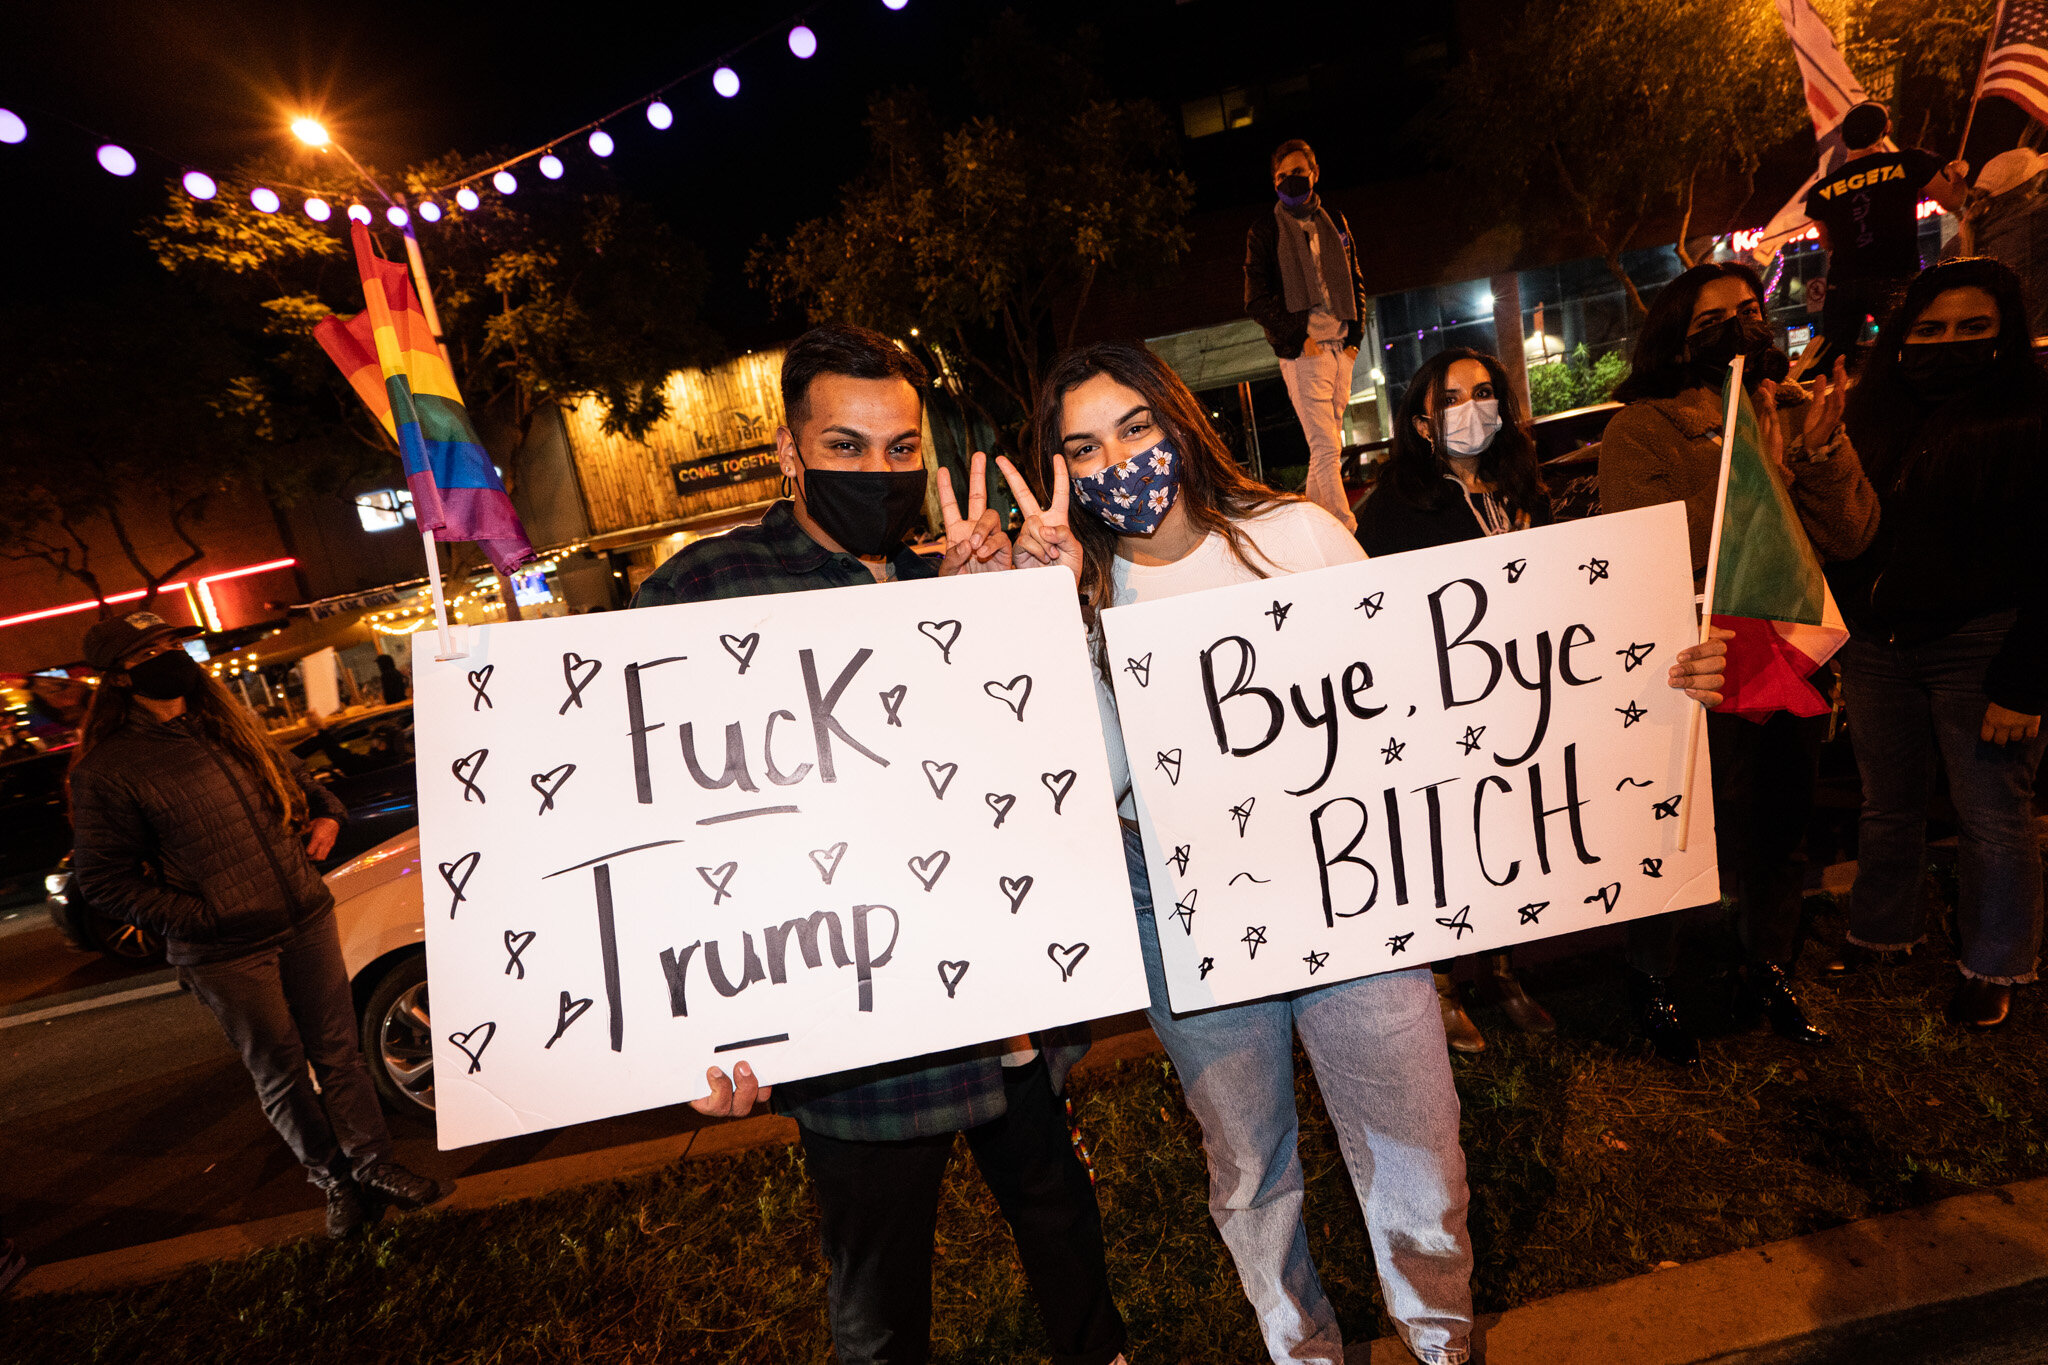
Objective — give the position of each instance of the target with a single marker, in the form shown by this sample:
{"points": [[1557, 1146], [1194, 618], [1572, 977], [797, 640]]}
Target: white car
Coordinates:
{"points": [[378, 908]]}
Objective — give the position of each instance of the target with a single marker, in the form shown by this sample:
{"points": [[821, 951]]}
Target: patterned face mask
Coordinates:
{"points": [[1133, 495]]}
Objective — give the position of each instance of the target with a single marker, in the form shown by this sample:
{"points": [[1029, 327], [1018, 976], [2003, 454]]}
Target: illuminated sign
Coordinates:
{"points": [[720, 471]]}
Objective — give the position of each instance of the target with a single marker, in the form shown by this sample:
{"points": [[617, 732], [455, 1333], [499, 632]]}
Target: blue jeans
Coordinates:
{"points": [[1377, 1045], [1908, 706]]}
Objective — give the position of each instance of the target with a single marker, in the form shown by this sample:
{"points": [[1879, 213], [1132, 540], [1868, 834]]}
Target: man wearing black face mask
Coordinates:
{"points": [[876, 1141], [187, 821], [1302, 283]]}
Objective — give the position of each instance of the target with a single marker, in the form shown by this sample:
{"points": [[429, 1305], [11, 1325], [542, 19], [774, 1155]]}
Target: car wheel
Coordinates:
{"points": [[398, 1039], [128, 942]]}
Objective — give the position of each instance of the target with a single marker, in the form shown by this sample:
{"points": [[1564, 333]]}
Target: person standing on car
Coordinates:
{"points": [[1301, 281], [189, 822]]}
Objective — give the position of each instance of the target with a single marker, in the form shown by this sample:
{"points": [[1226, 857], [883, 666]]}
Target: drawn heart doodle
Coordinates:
{"points": [[1515, 568], [1065, 958], [515, 944], [1059, 784], [1001, 806], [942, 634], [741, 647], [479, 679], [1012, 694], [457, 875], [827, 860], [466, 770], [549, 783], [567, 1011], [1169, 763], [940, 775], [489, 1030], [1016, 888], [930, 868], [950, 974], [578, 672], [1653, 867], [892, 702], [718, 879]]}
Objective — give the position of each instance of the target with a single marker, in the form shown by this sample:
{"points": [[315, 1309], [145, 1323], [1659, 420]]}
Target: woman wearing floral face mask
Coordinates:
{"points": [[1664, 446], [1463, 466], [1948, 637]]}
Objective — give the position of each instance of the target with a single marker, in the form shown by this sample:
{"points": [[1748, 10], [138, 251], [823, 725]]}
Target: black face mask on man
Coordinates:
{"points": [[868, 513], [1937, 371], [167, 677], [1710, 351]]}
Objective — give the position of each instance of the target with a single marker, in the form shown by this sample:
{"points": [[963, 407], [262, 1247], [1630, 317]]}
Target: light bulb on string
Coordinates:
{"points": [[430, 211], [803, 42], [505, 181], [467, 198], [358, 214], [12, 129], [318, 211], [726, 81], [116, 160], [551, 166], [265, 199], [200, 185], [397, 216], [660, 115], [601, 143]]}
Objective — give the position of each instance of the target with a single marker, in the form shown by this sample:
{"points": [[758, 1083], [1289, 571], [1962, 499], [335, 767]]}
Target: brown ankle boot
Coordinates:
{"points": [[1459, 1031], [1520, 1007]]}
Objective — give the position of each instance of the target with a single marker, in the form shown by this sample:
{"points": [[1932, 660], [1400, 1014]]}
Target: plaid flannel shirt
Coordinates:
{"points": [[939, 1093]]}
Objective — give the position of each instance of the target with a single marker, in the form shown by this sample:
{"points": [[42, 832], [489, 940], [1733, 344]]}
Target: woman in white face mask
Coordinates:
{"points": [[1463, 466]]}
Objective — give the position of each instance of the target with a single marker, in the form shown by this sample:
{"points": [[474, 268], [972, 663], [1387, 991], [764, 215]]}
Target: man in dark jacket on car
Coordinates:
{"points": [[1302, 283], [187, 821]]}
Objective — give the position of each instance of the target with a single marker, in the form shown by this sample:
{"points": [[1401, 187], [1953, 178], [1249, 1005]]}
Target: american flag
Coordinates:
{"points": [[2016, 66]]}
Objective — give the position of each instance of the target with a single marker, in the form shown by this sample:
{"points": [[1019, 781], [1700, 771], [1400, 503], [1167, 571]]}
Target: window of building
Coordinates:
{"points": [[1219, 112], [387, 509]]}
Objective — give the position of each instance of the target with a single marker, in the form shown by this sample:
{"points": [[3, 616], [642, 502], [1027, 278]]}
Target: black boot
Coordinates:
{"points": [[401, 1188], [1770, 987], [1657, 1019], [346, 1212], [1980, 1004]]}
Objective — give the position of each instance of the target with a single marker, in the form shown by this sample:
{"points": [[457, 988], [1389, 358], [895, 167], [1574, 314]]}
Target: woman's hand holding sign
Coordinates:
{"points": [[728, 1100], [975, 543], [1045, 538]]}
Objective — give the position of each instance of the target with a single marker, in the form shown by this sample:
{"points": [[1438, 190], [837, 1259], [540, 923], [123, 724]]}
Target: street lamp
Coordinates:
{"points": [[310, 132]]}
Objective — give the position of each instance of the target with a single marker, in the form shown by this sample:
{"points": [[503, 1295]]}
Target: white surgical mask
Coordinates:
{"points": [[1469, 426]]}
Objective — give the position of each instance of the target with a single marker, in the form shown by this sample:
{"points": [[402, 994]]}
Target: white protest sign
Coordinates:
{"points": [[1371, 766], [811, 831]]}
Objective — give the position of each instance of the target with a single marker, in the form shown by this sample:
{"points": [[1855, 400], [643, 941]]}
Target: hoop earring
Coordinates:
{"points": [[788, 488]]}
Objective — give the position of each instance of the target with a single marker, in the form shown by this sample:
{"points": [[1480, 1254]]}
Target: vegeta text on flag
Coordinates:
{"points": [[1371, 766]]}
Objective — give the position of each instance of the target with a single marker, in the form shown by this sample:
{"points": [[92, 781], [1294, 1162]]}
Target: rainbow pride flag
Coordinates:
{"points": [[396, 366], [1768, 586]]}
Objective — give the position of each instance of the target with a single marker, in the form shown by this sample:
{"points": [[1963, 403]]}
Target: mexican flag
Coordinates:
{"points": [[1764, 580]]}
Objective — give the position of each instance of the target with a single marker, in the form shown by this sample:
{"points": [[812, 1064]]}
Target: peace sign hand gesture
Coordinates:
{"points": [[1045, 538], [975, 543]]}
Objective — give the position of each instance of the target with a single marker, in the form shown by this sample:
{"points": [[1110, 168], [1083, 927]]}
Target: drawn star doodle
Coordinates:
{"points": [[1254, 935], [1531, 912], [1635, 656], [1470, 742], [1596, 570], [1609, 896], [1243, 813], [1392, 753], [1279, 613], [1515, 568], [1371, 605], [1653, 867], [1141, 669], [1630, 714], [1460, 923], [1184, 911], [1398, 943], [1315, 962], [1179, 858], [1207, 965], [1667, 809]]}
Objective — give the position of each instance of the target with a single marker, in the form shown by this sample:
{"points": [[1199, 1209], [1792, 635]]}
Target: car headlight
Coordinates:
{"points": [[55, 886]]}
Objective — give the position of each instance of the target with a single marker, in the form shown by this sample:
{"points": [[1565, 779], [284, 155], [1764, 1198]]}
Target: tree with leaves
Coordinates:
{"points": [[985, 239]]}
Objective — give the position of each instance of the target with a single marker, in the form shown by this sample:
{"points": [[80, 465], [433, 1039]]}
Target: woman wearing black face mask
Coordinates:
{"points": [[188, 821], [1948, 645], [1667, 445]]}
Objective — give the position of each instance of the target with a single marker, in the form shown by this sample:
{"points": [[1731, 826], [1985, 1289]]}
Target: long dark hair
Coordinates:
{"points": [[1215, 491], [1978, 447], [222, 719], [1416, 469], [1656, 367]]}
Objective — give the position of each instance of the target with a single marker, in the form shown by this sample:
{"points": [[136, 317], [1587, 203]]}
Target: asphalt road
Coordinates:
{"points": [[130, 1120]]}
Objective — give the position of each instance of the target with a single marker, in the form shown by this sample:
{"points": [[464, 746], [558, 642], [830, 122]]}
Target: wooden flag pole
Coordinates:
{"points": [[1696, 723], [1977, 90]]}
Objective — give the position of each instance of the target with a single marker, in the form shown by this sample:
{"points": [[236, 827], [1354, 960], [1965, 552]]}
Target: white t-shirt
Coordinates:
{"points": [[1289, 538]]}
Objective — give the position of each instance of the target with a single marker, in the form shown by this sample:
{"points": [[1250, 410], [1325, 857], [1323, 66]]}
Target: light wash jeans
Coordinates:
{"points": [[1377, 1046], [1320, 386]]}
